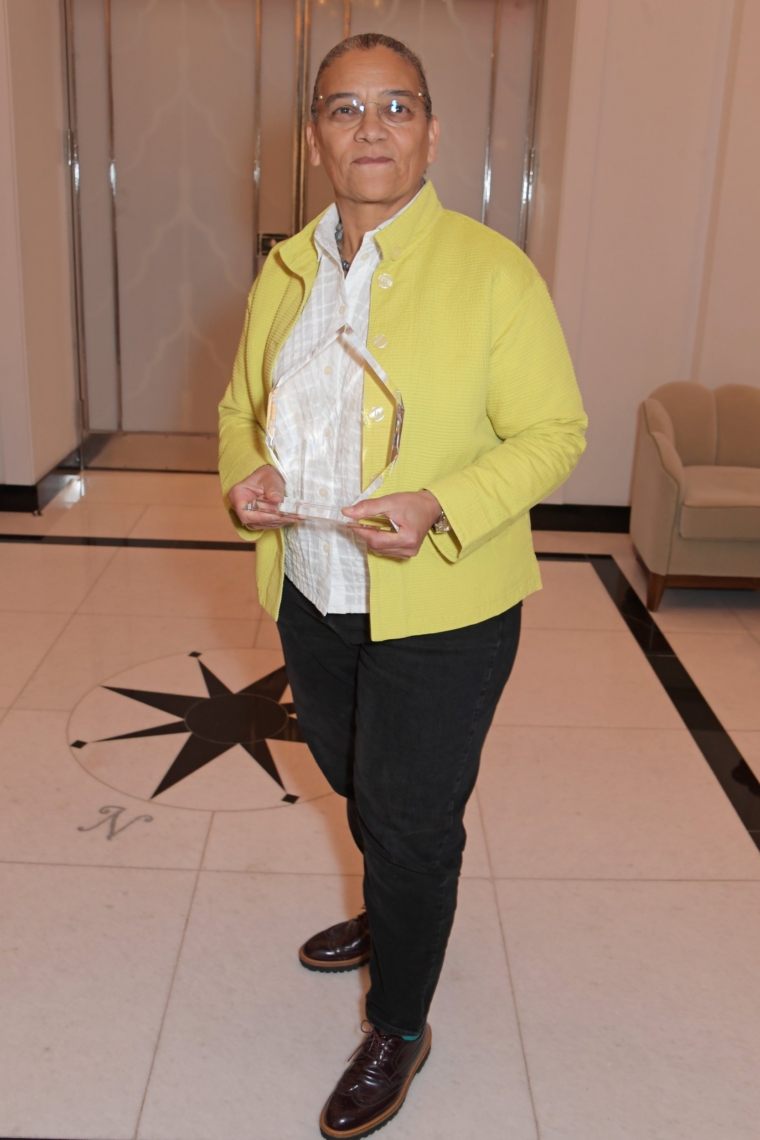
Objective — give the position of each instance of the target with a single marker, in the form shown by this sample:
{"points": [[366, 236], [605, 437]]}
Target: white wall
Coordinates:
{"points": [[727, 348], [38, 399], [647, 93]]}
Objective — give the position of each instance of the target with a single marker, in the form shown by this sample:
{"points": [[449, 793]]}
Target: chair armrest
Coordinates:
{"points": [[656, 495]]}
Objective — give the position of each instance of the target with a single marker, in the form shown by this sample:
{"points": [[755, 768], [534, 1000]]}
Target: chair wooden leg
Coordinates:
{"points": [[655, 590]]}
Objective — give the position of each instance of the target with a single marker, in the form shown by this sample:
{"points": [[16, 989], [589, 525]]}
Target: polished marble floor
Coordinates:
{"points": [[602, 978]]}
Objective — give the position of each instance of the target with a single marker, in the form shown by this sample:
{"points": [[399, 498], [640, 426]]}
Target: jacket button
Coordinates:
{"points": [[379, 341], [396, 252], [377, 414], [385, 281]]}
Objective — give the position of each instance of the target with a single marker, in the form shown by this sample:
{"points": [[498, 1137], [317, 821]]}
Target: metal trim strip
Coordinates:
{"points": [[67, 16], [114, 231]]}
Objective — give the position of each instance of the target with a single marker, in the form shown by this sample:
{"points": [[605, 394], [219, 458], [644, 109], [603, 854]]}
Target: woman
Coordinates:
{"points": [[398, 642]]}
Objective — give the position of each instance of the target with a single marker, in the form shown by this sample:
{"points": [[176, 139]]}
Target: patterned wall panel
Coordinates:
{"points": [[183, 108], [184, 87], [326, 30], [278, 114]]}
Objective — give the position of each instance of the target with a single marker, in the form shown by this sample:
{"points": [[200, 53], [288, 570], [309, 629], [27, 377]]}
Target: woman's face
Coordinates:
{"points": [[369, 158]]}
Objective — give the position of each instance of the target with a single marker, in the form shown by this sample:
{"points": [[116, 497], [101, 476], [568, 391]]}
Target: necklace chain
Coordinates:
{"points": [[339, 242]]}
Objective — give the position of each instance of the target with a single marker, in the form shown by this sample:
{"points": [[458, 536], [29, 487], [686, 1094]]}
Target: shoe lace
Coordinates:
{"points": [[375, 1044]]}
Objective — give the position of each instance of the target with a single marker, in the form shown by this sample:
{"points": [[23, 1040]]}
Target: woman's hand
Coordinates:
{"points": [[263, 490], [413, 512]]}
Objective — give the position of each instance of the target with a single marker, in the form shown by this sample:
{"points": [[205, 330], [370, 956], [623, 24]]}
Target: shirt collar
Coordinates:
{"points": [[324, 234], [395, 237]]}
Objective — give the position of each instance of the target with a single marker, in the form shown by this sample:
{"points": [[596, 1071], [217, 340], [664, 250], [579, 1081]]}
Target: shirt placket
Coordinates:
{"points": [[342, 367]]}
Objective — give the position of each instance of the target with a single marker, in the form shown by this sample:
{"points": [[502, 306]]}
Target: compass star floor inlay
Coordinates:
{"points": [[211, 731]]}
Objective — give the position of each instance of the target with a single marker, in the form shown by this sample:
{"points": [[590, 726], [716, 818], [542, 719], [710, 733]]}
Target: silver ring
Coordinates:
{"points": [[250, 506]]}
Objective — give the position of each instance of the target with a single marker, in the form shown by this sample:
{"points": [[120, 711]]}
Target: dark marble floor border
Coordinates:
{"points": [[729, 767], [133, 543], [580, 517]]}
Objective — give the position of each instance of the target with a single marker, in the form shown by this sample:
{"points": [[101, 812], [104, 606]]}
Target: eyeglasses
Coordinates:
{"points": [[347, 113]]}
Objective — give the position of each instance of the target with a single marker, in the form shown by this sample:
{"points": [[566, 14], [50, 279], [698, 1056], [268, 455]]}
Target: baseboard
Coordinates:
{"points": [[546, 516], [28, 499], [581, 517]]}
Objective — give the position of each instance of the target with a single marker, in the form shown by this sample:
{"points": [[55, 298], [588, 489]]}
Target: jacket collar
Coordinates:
{"points": [[299, 253]]}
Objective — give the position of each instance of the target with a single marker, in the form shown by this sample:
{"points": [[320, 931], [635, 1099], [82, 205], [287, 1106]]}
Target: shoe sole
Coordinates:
{"points": [[330, 967], [383, 1119]]}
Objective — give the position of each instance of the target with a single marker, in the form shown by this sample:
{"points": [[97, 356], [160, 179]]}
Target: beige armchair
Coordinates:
{"points": [[695, 500]]}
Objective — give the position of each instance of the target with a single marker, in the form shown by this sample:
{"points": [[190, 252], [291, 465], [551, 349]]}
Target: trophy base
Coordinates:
{"points": [[316, 513]]}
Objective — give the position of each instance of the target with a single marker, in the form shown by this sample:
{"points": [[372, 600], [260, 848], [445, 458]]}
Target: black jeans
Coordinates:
{"points": [[397, 727]]}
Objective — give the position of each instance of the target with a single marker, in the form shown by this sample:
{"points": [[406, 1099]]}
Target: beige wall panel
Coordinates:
{"points": [[551, 132], [183, 99], [278, 115], [728, 349], [326, 31], [36, 67]]}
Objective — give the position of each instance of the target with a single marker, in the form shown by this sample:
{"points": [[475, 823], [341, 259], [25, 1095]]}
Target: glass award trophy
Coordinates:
{"points": [[332, 513]]}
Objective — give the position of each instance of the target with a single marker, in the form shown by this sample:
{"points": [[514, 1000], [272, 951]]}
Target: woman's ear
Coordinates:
{"points": [[311, 141], [434, 130]]}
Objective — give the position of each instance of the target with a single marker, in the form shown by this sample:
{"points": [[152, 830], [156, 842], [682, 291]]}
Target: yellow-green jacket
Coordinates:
{"points": [[494, 420]]}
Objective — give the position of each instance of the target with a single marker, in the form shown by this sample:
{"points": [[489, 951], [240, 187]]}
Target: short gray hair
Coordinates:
{"points": [[364, 43]]}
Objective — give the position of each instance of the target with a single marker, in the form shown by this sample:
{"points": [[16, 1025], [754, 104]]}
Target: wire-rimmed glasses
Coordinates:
{"points": [[348, 111]]}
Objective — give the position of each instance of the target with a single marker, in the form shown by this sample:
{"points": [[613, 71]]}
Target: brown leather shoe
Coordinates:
{"points": [[375, 1084], [339, 948]]}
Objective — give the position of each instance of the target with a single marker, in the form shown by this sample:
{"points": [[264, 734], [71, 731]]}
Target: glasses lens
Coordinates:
{"points": [[345, 112], [397, 111]]}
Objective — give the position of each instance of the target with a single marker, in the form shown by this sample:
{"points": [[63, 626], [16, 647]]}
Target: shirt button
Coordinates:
{"points": [[380, 341], [323, 492], [365, 257], [328, 370], [326, 548], [377, 414], [396, 252], [385, 281], [328, 433], [341, 310]]}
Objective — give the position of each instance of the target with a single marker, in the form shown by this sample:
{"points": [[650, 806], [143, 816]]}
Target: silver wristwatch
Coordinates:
{"points": [[441, 524]]}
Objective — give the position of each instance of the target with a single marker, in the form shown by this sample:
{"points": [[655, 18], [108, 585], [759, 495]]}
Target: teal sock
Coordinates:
{"points": [[413, 1037]]}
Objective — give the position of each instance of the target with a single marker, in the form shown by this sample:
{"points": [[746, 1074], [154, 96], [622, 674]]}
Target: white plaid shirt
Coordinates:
{"points": [[319, 379]]}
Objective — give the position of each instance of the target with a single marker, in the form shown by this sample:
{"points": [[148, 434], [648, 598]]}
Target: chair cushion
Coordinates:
{"points": [[721, 503]]}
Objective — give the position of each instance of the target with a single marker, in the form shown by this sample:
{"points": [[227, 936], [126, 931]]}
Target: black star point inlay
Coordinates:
{"points": [[216, 723]]}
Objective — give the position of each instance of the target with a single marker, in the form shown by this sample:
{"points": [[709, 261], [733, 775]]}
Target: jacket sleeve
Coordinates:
{"points": [[535, 408], [242, 418]]}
